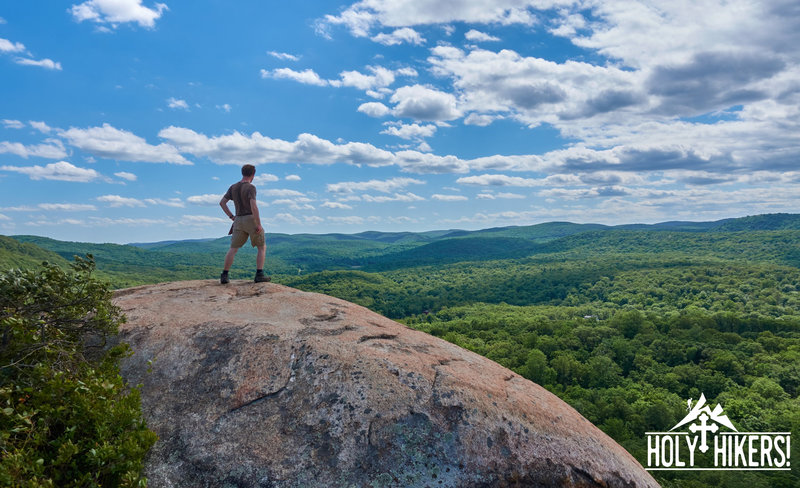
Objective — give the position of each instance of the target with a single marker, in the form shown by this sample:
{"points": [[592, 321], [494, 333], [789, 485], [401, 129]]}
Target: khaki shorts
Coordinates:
{"points": [[243, 227]]}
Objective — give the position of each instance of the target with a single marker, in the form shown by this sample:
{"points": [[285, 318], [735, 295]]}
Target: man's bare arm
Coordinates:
{"points": [[256, 216], [224, 204]]}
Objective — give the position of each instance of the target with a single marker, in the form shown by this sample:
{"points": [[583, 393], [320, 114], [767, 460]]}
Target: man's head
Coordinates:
{"points": [[248, 170]]}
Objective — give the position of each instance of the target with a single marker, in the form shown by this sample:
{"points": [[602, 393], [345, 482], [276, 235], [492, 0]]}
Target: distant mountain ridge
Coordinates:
{"points": [[139, 263], [151, 245], [542, 232]]}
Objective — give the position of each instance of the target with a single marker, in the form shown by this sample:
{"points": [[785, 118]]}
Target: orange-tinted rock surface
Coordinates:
{"points": [[266, 386]]}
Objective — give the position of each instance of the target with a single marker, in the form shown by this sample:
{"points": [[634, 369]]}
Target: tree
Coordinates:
{"points": [[536, 368], [68, 418]]}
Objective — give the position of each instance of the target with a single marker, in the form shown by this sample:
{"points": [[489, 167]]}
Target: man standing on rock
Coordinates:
{"points": [[246, 223]]}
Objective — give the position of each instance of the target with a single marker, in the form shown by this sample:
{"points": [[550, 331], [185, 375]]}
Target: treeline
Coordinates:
{"points": [[645, 282]]}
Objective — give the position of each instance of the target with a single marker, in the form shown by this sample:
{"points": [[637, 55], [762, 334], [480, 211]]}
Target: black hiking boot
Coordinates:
{"points": [[223, 279], [261, 278]]}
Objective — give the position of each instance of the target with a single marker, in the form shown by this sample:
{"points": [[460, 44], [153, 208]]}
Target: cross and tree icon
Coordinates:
{"points": [[702, 413]]}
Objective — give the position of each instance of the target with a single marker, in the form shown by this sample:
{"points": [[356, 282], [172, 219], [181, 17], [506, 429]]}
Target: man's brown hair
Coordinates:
{"points": [[248, 170]]}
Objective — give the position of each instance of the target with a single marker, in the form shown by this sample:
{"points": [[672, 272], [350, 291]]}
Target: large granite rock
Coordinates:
{"points": [[266, 386]]}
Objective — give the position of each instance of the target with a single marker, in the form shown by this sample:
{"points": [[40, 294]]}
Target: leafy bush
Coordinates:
{"points": [[66, 416]]}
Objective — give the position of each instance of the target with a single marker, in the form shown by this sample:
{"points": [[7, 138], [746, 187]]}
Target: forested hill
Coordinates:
{"points": [[17, 254], [769, 238]]}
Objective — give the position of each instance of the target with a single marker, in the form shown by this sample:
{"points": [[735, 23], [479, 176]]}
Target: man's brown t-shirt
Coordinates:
{"points": [[241, 193]]}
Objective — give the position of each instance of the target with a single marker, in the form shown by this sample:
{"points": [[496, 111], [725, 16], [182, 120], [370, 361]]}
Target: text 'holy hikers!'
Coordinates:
{"points": [[705, 447]]}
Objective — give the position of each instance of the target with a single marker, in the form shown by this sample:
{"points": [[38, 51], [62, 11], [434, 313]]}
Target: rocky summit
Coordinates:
{"points": [[260, 385]]}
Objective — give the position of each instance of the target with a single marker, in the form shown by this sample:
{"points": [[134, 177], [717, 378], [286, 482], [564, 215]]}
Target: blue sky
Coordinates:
{"points": [[126, 120]]}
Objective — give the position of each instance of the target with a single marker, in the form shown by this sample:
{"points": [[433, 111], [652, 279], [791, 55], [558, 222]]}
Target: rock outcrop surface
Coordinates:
{"points": [[266, 386]]}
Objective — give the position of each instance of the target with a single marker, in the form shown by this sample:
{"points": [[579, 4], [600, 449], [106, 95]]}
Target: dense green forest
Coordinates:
{"points": [[629, 368], [624, 323]]}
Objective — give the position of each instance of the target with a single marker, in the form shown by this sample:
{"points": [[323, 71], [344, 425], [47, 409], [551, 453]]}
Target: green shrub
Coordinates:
{"points": [[67, 418]]}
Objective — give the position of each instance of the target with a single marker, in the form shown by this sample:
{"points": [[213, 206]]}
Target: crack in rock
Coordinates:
{"points": [[334, 315], [272, 394], [376, 337], [329, 332]]}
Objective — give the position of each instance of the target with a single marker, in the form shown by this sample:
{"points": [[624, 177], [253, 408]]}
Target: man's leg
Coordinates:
{"points": [[261, 256], [223, 278], [229, 257]]}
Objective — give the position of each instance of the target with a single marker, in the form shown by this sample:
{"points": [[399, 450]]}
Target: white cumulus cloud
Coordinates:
{"points": [[264, 178], [120, 201], [40, 126], [503, 195], [115, 12], [60, 171], [172, 202], [349, 220], [385, 186], [481, 120], [42, 63], [282, 192], [424, 103], [362, 16], [338, 205], [173, 102], [307, 76], [409, 131], [449, 198], [380, 78], [404, 35], [284, 56], [203, 220], [397, 197], [407, 71], [535, 91], [112, 143], [288, 218], [206, 199], [478, 36], [499, 180], [67, 207], [238, 148], [299, 203], [7, 46], [125, 176], [373, 109], [12, 124], [126, 221]]}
